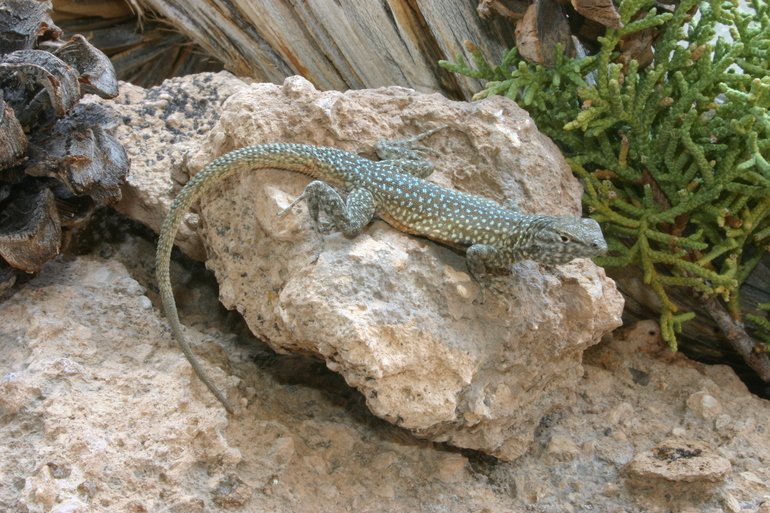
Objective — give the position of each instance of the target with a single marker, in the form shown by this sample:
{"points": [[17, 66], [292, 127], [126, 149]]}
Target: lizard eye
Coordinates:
{"points": [[564, 238]]}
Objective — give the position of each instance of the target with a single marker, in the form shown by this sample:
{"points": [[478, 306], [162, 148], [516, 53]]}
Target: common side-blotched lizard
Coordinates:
{"points": [[493, 235]]}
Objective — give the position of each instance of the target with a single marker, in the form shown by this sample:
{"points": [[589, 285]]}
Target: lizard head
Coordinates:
{"points": [[562, 239]]}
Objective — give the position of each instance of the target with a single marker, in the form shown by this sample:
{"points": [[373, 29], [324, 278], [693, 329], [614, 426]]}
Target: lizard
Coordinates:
{"points": [[493, 235]]}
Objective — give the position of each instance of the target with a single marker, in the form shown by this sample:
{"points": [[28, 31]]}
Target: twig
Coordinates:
{"points": [[736, 334]]}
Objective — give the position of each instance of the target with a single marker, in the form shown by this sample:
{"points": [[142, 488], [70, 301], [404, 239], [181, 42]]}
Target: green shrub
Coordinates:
{"points": [[673, 157]]}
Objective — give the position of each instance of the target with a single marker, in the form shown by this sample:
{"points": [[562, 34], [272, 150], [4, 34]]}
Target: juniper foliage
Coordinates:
{"points": [[673, 157]]}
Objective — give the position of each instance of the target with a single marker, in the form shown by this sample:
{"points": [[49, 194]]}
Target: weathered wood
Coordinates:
{"points": [[54, 76], [58, 158], [79, 152], [13, 142], [30, 233], [347, 44], [102, 8], [95, 73], [543, 27], [736, 334], [23, 23], [603, 11]]}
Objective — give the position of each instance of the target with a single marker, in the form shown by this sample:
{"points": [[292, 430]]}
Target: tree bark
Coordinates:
{"points": [[342, 44]]}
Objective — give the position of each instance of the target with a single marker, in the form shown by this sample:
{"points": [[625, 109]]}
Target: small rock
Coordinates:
{"points": [[70, 506], [41, 489], [329, 491], [318, 464], [16, 390], [750, 463], [723, 421], [452, 468], [620, 414], [384, 491], [231, 492], [562, 448], [688, 461], [175, 120], [384, 460], [750, 478], [614, 450], [704, 405], [639, 377], [730, 503]]}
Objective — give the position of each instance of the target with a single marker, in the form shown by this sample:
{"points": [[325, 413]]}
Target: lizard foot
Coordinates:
{"points": [[294, 203], [320, 227], [324, 227], [493, 284], [406, 148]]}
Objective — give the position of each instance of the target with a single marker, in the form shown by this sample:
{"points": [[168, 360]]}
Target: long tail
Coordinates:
{"points": [[290, 157]]}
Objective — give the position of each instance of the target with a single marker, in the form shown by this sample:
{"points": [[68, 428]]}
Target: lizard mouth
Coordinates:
{"points": [[599, 247]]}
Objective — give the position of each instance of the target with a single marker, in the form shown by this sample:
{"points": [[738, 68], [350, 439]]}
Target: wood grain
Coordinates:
{"points": [[342, 44]]}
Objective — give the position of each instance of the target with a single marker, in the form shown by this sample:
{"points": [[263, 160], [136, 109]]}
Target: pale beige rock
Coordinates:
{"points": [[99, 426], [452, 468], [731, 503], [71, 506], [106, 413], [160, 127], [110, 399], [396, 315], [680, 460], [562, 448], [705, 406], [73, 383]]}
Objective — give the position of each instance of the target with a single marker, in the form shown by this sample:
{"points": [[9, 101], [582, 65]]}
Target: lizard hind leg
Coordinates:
{"points": [[349, 216]]}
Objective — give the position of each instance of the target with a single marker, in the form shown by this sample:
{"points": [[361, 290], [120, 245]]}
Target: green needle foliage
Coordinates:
{"points": [[673, 157], [762, 322]]}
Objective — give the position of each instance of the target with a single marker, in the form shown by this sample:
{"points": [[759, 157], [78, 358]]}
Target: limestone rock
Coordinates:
{"points": [[99, 411], [160, 127], [80, 356], [680, 460], [399, 316]]}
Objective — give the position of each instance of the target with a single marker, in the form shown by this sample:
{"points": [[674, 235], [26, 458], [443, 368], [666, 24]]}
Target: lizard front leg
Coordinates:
{"points": [[480, 258], [349, 216]]}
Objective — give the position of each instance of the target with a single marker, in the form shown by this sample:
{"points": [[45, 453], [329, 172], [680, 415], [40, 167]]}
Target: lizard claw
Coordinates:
{"points": [[320, 227], [293, 204], [492, 283], [406, 148], [409, 144], [426, 134], [324, 227]]}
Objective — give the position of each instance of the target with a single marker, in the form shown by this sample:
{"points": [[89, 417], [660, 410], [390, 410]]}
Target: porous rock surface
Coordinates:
{"points": [[399, 317], [162, 125], [99, 412]]}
